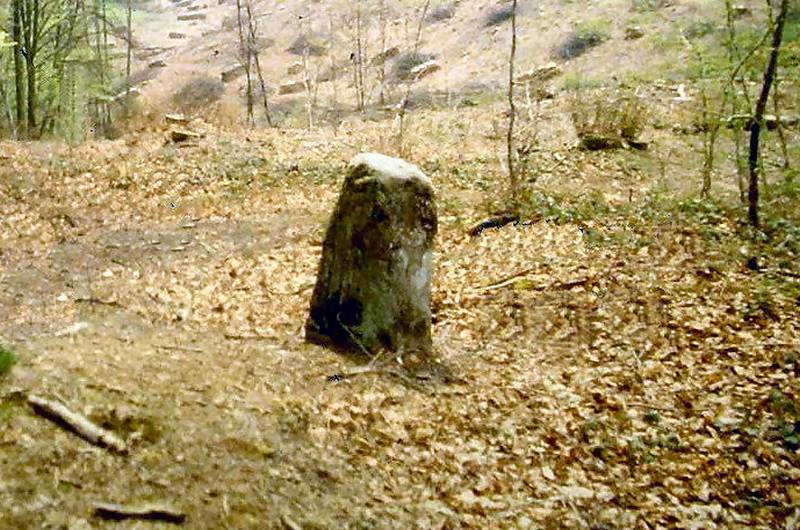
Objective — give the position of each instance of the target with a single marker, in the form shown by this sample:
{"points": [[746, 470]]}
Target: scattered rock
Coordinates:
{"points": [[295, 68], [291, 87], [638, 144], [426, 68], [181, 135], [315, 44], [232, 72], [634, 32], [374, 283], [385, 55], [193, 16], [597, 142], [741, 11], [540, 74], [176, 35], [176, 118], [442, 12], [771, 121], [148, 52]]}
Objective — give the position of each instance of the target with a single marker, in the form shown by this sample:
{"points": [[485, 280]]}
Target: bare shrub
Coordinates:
{"points": [[585, 37], [498, 15], [198, 93], [607, 121], [227, 112], [443, 12], [314, 44]]}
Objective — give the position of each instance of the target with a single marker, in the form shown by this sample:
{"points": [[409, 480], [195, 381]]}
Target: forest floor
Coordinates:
{"points": [[613, 363]]}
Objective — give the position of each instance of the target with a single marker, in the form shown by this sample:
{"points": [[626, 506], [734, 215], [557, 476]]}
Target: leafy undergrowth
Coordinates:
{"points": [[616, 363]]}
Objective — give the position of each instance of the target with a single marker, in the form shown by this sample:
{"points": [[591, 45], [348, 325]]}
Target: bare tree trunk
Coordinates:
{"points": [[128, 65], [30, 37], [779, 125], [733, 58], [19, 74], [512, 174], [253, 26], [307, 86], [244, 50], [382, 65], [333, 75], [98, 109], [401, 114], [358, 62], [711, 125], [106, 65], [758, 116]]}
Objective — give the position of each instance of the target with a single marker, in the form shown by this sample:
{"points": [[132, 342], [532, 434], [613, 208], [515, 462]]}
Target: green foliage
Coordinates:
{"points": [[699, 29], [563, 209], [786, 412], [7, 359], [575, 81], [5, 41]]}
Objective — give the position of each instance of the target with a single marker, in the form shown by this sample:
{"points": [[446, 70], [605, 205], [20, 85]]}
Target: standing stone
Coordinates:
{"points": [[374, 283]]}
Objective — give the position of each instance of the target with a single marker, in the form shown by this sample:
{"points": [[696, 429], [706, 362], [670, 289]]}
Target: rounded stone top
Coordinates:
{"points": [[388, 168]]}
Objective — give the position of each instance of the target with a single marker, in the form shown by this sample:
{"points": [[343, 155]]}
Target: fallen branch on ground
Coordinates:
{"points": [[252, 336], [78, 423], [387, 370], [507, 280], [98, 301], [152, 512], [179, 348], [496, 221]]}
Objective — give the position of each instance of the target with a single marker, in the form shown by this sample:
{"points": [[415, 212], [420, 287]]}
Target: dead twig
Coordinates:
{"points": [[289, 523], [497, 221], [77, 423], [507, 280], [151, 512], [179, 348], [98, 301], [784, 272], [386, 370], [251, 336]]}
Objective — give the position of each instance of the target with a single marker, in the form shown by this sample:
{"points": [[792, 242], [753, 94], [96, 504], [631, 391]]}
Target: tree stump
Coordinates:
{"points": [[373, 287]]}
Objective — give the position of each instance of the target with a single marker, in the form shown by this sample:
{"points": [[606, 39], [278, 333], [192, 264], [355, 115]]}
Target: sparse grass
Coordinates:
{"points": [[574, 81], [604, 120], [699, 29], [315, 44], [640, 6], [7, 359]]}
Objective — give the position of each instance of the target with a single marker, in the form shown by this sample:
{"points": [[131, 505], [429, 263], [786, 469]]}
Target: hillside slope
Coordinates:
{"points": [[620, 37]]}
